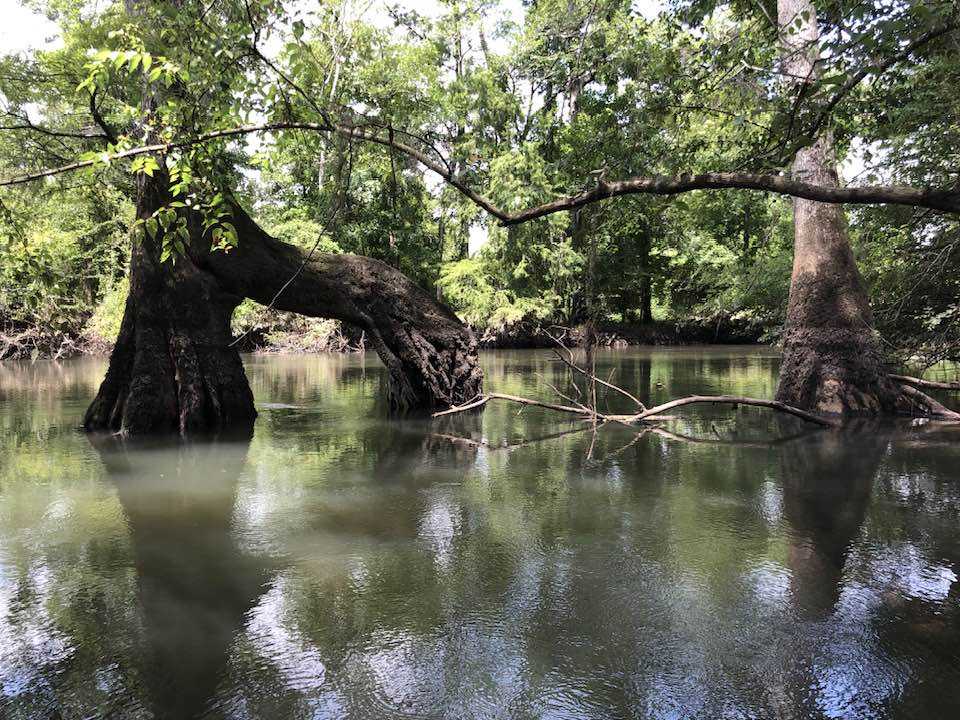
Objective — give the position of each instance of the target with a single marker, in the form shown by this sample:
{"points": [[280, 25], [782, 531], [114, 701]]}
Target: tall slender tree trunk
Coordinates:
{"points": [[832, 361], [646, 300]]}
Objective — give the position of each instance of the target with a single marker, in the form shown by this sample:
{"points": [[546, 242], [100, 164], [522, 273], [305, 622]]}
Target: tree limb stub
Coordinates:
{"points": [[941, 199]]}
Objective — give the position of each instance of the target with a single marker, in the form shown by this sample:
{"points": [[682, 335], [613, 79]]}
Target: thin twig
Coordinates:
{"points": [[568, 361]]}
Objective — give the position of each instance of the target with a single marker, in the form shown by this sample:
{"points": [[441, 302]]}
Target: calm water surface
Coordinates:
{"points": [[341, 564]]}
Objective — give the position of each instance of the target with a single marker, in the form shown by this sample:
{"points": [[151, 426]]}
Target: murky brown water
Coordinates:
{"points": [[342, 564]]}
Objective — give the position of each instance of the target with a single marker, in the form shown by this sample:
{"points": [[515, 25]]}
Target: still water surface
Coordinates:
{"points": [[342, 564]]}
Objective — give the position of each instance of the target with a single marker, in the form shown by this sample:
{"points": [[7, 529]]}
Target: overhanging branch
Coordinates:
{"points": [[940, 199]]}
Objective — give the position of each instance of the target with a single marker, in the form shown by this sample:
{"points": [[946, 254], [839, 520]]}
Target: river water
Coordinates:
{"points": [[503, 565]]}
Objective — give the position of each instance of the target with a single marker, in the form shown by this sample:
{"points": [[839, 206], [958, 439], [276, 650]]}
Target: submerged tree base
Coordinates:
{"points": [[175, 367]]}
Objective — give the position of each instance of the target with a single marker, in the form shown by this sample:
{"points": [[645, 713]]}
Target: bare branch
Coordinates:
{"points": [[933, 198], [735, 400], [568, 361], [926, 405], [647, 415], [921, 383], [936, 199]]}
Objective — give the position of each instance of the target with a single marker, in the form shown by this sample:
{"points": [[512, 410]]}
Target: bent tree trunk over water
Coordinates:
{"points": [[174, 368], [431, 356]]}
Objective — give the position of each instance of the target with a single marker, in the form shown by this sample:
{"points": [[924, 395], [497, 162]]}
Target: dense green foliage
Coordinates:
{"points": [[523, 102]]}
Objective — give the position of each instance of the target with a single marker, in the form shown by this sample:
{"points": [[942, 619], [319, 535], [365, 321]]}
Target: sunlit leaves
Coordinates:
{"points": [[146, 164]]}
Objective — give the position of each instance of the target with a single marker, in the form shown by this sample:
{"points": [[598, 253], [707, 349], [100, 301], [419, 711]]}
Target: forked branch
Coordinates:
{"points": [[647, 416]]}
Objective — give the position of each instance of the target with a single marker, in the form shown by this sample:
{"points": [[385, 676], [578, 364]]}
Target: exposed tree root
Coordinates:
{"points": [[912, 402]]}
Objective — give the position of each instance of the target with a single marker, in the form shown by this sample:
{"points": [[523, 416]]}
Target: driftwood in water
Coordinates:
{"points": [[649, 415]]}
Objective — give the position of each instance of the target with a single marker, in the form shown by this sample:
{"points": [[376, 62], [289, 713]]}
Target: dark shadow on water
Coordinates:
{"points": [[194, 582]]}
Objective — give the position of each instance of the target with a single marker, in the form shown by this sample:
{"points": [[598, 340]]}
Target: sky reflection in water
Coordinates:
{"points": [[341, 564]]}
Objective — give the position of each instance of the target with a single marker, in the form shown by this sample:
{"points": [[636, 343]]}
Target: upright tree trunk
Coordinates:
{"points": [[832, 361], [172, 368], [646, 300], [831, 356]]}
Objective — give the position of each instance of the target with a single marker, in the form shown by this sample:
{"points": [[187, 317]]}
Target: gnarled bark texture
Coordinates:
{"points": [[431, 356], [172, 368], [831, 356], [832, 362]]}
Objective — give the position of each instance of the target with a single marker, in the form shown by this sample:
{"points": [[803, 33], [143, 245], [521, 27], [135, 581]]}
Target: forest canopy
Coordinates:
{"points": [[513, 104]]}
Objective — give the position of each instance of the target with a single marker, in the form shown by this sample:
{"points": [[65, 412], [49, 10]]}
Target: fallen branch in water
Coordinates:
{"points": [[487, 397], [928, 406], [647, 415], [732, 400], [568, 361], [921, 383], [681, 437]]}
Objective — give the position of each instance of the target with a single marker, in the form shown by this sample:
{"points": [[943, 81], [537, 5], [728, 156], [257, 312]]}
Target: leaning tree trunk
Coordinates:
{"points": [[832, 362], [431, 356], [172, 368]]}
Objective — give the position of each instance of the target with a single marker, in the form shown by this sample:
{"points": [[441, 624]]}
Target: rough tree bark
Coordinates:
{"points": [[832, 361], [173, 368], [431, 356]]}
